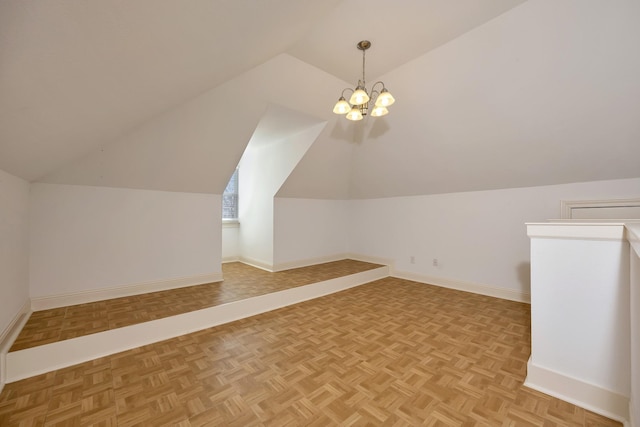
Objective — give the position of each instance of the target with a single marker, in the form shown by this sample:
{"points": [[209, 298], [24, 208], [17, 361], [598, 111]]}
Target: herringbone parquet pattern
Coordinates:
{"points": [[240, 281], [389, 353]]}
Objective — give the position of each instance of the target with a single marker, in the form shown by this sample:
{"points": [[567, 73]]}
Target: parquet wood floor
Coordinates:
{"points": [[240, 281], [388, 353]]}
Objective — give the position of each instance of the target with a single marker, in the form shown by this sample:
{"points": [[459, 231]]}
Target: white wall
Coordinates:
{"points": [[195, 146], [479, 238], [580, 315], [255, 207], [14, 248], [546, 93], [230, 242], [309, 230], [633, 234], [264, 167], [88, 238]]}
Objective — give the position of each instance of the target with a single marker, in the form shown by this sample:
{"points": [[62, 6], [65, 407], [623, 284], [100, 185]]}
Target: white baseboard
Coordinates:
{"points": [[262, 265], [9, 335], [476, 288], [34, 361], [307, 262], [373, 260], [588, 396], [82, 297], [14, 327], [230, 259]]}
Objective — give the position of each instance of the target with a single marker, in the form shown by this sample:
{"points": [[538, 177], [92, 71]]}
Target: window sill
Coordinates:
{"points": [[230, 223]]}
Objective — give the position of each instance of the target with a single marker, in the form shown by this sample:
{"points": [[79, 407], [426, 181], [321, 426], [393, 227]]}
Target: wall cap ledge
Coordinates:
{"points": [[578, 230]]}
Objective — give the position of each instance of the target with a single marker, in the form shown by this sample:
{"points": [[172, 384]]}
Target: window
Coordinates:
{"points": [[230, 199]]}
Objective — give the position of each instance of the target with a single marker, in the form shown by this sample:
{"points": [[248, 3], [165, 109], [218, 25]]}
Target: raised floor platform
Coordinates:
{"points": [[61, 337]]}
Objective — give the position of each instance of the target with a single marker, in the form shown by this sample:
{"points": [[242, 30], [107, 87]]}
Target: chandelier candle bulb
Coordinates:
{"points": [[384, 99], [359, 97], [354, 114], [342, 106], [358, 104], [379, 111]]}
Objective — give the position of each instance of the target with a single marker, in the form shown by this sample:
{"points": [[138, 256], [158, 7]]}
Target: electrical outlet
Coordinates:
{"points": [[435, 262], [412, 259]]}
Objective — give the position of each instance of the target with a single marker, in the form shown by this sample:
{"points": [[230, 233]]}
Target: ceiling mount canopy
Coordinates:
{"points": [[358, 105]]}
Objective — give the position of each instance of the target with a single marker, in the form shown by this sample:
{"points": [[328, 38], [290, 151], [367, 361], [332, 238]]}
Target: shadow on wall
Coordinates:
{"points": [[524, 276], [358, 132]]}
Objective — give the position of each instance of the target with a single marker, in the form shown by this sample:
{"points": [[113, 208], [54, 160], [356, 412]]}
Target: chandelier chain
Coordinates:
{"points": [[364, 51]]}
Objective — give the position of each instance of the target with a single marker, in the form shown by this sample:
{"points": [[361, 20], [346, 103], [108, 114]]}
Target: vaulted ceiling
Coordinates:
{"points": [[165, 95]]}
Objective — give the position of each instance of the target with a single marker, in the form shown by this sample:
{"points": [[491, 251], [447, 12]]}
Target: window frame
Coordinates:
{"points": [[231, 221]]}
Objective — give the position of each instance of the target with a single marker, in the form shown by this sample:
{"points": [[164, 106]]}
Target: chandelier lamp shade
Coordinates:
{"points": [[358, 105]]}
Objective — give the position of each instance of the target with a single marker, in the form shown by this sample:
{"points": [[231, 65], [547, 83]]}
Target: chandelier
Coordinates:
{"points": [[358, 104]]}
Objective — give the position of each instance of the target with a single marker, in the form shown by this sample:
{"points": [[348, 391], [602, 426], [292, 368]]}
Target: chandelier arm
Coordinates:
{"points": [[378, 82], [347, 88], [374, 92]]}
